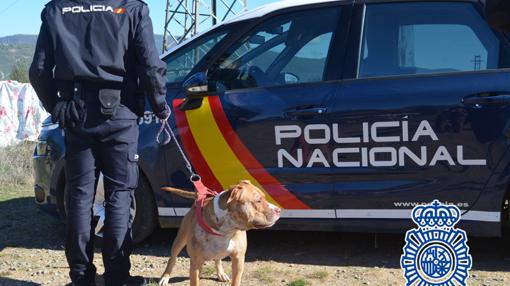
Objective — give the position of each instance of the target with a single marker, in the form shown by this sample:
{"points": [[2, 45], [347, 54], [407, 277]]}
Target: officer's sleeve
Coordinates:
{"points": [[151, 70], [41, 70]]}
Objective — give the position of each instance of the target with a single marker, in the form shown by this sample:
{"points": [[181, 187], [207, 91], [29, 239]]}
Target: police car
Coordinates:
{"points": [[347, 114]]}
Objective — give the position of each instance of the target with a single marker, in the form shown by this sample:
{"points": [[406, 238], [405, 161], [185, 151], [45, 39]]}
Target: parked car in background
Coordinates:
{"points": [[346, 114]]}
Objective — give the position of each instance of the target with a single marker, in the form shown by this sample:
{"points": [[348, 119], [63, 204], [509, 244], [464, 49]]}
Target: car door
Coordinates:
{"points": [[273, 78], [180, 63], [424, 113]]}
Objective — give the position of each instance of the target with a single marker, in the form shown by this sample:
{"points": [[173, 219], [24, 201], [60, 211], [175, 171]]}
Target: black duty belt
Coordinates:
{"points": [[108, 95], [67, 87]]}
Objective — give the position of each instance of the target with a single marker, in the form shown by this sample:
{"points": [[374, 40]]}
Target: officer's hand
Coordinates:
{"points": [[72, 117], [164, 114], [58, 113], [66, 113]]}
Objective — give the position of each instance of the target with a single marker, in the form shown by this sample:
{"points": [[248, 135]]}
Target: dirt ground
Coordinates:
{"points": [[31, 253]]}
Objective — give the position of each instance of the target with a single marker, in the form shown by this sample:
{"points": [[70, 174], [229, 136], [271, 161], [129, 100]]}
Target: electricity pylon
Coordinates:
{"points": [[185, 18]]}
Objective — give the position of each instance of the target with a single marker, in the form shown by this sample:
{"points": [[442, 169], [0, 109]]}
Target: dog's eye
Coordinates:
{"points": [[259, 200]]}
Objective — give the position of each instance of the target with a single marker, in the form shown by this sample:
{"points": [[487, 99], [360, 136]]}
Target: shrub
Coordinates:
{"points": [[20, 71], [16, 165]]}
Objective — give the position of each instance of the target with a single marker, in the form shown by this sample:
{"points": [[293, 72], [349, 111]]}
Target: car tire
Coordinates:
{"points": [[144, 210], [145, 221]]}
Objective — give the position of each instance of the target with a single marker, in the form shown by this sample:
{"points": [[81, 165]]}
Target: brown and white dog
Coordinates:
{"points": [[231, 214]]}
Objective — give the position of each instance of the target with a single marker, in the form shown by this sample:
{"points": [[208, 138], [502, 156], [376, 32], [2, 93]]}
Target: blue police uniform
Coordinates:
{"points": [[91, 59]]}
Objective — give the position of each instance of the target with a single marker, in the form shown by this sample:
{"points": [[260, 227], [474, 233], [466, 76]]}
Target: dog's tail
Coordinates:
{"points": [[181, 193]]}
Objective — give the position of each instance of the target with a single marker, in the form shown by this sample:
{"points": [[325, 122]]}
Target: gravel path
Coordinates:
{"points": [[31, 253]]}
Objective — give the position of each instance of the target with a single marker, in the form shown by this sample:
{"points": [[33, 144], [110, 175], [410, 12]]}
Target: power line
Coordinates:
{"points": [[186, 17], [10, 6]]}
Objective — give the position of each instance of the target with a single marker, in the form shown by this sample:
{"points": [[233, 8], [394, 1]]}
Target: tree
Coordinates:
{"points": [[19, 71]]}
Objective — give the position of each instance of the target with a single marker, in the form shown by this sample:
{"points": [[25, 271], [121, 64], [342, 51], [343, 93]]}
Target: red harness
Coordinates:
{"points": [[203, 193]]}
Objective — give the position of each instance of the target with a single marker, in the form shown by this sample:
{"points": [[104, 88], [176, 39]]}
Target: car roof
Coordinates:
{"points": [[280, 5], [275, 6], [283, 4]]}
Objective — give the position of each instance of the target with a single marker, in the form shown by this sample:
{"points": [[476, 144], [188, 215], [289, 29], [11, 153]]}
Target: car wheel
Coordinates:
{"points": [[144, 209], [146, 214]]}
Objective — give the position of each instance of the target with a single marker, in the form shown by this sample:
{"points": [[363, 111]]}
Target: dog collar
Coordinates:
{"points": [[202, 194]]}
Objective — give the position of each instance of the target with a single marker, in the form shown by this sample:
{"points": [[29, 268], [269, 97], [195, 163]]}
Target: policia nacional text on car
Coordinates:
{"points": [[90, 59]]}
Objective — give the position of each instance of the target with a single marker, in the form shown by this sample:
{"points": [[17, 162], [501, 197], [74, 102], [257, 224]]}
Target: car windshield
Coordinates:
{"points": [[181, 62]]}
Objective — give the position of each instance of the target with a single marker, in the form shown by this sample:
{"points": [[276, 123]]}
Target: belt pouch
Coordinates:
{"points": [[110, 101]]}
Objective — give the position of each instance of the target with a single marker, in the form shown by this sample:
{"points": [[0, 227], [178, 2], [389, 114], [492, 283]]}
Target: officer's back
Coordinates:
{"points": [[100, 42]]}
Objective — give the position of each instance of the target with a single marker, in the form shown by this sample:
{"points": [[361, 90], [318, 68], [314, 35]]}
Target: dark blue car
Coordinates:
{"points": [[346, 113]]}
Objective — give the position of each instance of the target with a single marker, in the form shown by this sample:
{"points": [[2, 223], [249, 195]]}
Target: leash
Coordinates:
{"points": [[166, 130], [203, 192]]}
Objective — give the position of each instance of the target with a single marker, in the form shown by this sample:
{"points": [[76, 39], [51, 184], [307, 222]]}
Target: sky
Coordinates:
{"points": [[23, 16]]}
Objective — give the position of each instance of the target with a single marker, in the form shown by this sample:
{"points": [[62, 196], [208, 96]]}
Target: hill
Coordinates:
{"points": [[19, 40], [15, 47]]}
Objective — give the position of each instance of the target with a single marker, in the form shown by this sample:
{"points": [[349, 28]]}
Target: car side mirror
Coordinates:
{"points": [[196, 87]]}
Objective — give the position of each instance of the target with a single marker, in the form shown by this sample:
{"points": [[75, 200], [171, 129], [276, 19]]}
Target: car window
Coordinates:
{"points": [[312, 56], [286, 49], [180, 64], [422, 38], [265, 46]]}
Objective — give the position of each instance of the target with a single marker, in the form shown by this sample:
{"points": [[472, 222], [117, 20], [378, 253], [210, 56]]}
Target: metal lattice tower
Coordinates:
{"points": [[186, 18]]}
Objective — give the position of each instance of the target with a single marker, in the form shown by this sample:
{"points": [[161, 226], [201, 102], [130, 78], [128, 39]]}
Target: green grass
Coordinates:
{"points": [[319, 275], [299, 282], [264, 274], [13, 192], [208, 270]]}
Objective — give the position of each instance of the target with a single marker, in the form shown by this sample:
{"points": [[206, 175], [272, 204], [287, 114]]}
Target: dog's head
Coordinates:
{"points": [[249, 208]]}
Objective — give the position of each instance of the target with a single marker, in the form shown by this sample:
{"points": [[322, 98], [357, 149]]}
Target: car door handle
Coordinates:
{"points": [[305, 112], [486, 98]]}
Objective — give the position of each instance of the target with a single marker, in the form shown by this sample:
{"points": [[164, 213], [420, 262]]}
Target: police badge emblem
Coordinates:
{"points": [[436, 253]]}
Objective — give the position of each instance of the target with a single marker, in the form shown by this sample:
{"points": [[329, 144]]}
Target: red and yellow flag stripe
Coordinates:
{"points": [[220, 157], [119, 11]]}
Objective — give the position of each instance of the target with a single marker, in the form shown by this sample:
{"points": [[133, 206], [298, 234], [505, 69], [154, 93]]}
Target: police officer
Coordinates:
{"points": [[90, 59]]}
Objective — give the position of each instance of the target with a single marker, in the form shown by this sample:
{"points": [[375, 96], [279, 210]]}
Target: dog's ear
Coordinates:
{"points": [[250, 186], [236, 193]]}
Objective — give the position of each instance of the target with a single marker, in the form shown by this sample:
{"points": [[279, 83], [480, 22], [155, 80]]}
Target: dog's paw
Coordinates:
{"points": [[164, 280], [223, 277]]}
